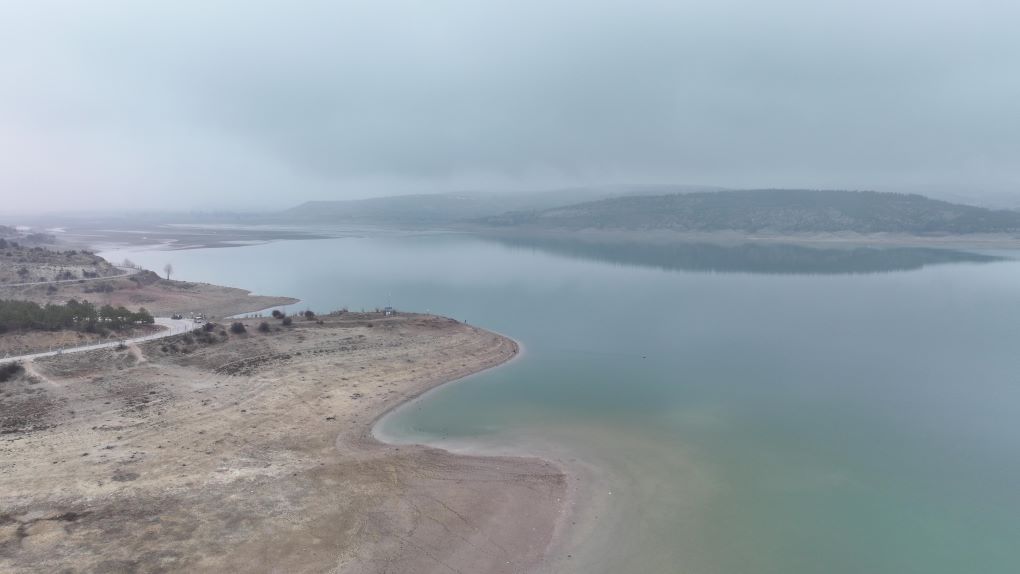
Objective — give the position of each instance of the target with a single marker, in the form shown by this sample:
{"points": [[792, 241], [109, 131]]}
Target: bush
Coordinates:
{"points": [[237, 328], [101, 287], [309, 315], [209, 327], [9, 370], [264, 327], [277, 314], [287, 321]]}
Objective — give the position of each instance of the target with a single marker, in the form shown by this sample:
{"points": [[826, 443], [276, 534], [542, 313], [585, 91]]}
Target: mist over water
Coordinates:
{"points": [[745, 421]]}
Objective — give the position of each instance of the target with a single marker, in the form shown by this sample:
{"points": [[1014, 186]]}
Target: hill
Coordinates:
{"points": [[21, 264], [444, 208], [770, 211]]}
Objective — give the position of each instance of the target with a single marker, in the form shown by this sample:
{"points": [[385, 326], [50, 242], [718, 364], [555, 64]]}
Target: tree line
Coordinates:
{"points": [[75, 315]]}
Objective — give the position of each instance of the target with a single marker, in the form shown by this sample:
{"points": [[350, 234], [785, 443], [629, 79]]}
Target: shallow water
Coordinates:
{"points": [[750, 410]]}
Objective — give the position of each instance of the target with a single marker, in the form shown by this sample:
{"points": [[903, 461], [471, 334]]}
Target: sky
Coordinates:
{"points": [[198, 104]]}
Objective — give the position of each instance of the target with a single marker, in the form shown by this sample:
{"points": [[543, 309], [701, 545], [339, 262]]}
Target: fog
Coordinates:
{"points": [[253, 105]]}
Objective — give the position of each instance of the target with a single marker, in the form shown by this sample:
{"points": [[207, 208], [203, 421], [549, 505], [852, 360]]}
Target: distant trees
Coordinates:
{"points": [[75, 315], [168, 269], [309, 315], [277, 314]]}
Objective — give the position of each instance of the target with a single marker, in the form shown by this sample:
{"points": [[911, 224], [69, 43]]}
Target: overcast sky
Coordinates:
{"points": [[208, 104]]}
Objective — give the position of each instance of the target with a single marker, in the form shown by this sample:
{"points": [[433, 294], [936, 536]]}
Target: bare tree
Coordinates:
{"points": [[168, 269]]}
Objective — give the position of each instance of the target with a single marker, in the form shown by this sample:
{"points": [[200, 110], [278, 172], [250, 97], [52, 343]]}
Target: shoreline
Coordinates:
{"points": [[583, 480], [568, 506], [373, 426], [372, 437], [267, 475]]}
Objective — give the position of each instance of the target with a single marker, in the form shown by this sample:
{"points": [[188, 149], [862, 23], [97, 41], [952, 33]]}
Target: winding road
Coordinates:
{"points": [[173, 327]]}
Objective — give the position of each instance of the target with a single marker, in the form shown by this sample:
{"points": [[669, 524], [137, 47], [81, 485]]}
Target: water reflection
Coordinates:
{"points": [[767, 258]]}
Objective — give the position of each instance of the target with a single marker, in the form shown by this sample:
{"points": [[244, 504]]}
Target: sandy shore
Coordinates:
{"points": [[254, 454]]}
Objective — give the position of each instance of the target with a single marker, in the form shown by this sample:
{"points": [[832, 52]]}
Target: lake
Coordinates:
{"points": [[742, 409]]}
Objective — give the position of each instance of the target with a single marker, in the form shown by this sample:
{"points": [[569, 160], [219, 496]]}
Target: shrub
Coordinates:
{"points": [[287, 321], [188, 339], [101, 287], [309, 315], [264, 327], [9, 370], [237, 328], [277, 314], [209, 327]]}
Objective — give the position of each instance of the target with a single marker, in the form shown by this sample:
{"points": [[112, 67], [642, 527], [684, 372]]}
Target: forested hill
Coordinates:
{"points": [[771, 211], [446, 208]]}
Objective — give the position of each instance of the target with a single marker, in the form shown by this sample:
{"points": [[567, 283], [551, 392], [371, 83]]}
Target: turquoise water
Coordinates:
{"points": [[751, 410]]}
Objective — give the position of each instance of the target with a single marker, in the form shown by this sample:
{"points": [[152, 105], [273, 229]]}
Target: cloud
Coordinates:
{"points": [[240, 103]]}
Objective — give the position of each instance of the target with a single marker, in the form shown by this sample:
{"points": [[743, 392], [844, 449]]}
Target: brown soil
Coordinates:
{"points": [[253, 454]]}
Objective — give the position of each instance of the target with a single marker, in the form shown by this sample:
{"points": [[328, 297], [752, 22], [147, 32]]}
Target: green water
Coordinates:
{"points": [[751, 410]]}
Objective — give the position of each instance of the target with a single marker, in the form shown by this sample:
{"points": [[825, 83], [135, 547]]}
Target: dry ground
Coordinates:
{"points": [[253, 454], [24, 343], [24, 264], [146, 289]]}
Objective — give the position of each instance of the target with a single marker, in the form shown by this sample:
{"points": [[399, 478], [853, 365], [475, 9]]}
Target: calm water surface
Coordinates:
{"points": [[750, 410]]}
